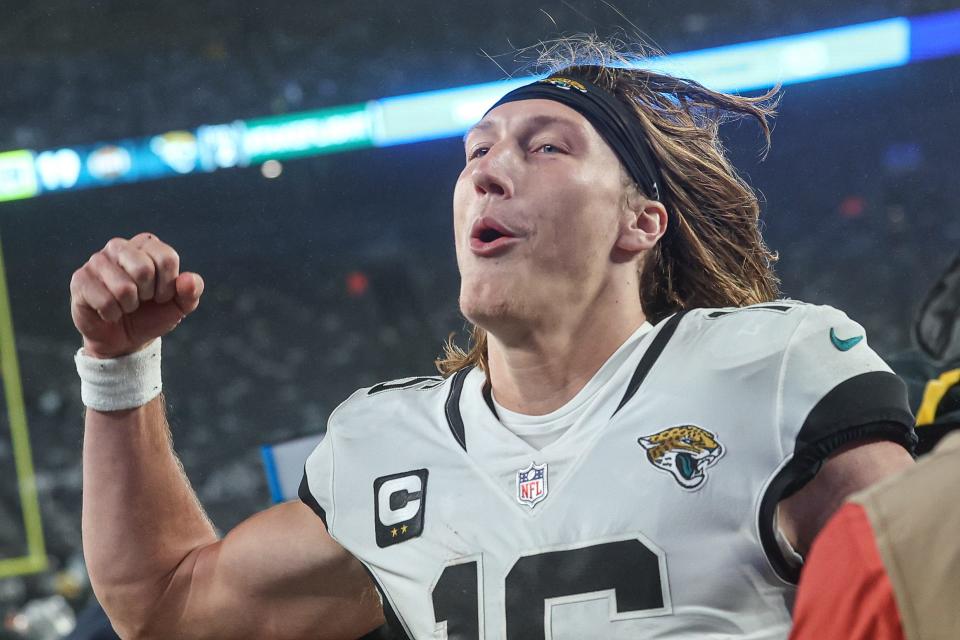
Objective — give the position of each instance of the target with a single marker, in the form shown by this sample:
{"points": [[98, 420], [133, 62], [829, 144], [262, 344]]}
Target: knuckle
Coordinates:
{"points": [[98, 261], [127, 289], [114, 244], [78, 282], [75, 279], [169, 261], [110, 313], [142, 272], [127, 295]]}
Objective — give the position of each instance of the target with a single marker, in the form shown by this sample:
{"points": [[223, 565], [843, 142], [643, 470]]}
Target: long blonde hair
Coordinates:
{"points": [[712, 254]]}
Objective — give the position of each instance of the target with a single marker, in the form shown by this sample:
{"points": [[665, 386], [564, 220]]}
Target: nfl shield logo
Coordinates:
{"points": [[532, 484]]}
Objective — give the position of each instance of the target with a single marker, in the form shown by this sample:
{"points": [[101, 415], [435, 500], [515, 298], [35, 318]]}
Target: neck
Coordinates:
{"points": [[538, 370]]}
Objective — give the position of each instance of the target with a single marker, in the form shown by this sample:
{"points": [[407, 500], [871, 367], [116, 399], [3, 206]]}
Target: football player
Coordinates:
{"points": [[641, 441]]}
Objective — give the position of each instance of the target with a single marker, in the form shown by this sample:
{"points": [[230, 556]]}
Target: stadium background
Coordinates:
{"points": [[340, 272]]}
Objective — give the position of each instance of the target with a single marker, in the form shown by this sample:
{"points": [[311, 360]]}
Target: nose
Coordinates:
{"points": [[491, 173]]}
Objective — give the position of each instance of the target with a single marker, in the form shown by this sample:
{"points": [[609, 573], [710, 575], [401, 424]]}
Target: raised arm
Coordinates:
{"points": [[154, 558]]}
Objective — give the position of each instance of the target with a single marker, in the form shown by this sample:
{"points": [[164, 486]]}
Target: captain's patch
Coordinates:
{"points": [[398, 503], [685, 452]]}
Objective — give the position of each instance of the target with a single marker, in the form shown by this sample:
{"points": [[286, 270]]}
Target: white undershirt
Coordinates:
{"points": [[539, 431]]}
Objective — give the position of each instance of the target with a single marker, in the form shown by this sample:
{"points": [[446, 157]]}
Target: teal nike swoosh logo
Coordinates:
{"points": [[844, 345]]}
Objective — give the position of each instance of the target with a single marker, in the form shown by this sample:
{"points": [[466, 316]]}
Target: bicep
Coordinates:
{"points": [[278, 574], [849, 469]]}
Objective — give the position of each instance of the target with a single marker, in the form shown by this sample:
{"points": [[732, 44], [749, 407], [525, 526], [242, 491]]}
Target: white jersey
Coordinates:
{"points": [[652, 516]]}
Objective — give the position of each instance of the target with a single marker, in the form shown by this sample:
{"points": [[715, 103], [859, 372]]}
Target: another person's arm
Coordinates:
{"points": [[154, 559]]}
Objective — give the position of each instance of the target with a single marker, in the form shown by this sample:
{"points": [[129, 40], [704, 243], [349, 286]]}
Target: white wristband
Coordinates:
{"points": [[127, 382]]}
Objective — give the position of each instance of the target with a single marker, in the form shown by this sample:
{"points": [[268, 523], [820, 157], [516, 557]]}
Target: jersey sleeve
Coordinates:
{"points": [[833, 389], [316, 487]]}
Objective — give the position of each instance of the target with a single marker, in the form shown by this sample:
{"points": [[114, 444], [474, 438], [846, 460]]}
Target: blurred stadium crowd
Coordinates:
{"points": [[340, 273]]}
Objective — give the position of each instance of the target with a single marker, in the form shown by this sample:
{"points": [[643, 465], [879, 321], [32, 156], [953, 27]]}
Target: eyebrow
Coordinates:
{"points": [[480, 126], [530, 123]]}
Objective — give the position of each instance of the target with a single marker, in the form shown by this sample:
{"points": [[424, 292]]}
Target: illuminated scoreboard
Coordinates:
{"points": [[397, 120]]}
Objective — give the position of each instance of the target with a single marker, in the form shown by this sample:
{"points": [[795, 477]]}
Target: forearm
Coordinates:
{"points": [[154, 559], [141, 519]]}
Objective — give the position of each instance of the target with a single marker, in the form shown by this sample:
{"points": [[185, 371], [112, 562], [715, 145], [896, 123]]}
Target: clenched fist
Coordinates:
{"points": [[130, 293]]}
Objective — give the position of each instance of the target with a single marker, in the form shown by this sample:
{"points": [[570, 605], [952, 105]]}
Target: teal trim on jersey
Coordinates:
{"points": [[841, 344]]}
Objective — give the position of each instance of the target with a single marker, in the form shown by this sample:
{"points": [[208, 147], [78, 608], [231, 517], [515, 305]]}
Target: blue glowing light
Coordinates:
{"points": [[449, 112], [792, 59]]}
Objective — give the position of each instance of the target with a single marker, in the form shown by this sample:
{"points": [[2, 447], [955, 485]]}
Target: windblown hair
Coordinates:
{"points": [[712, 254]]}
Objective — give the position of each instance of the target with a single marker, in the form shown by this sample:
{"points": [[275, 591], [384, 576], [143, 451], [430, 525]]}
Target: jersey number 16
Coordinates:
{"points": [[627, 568]]}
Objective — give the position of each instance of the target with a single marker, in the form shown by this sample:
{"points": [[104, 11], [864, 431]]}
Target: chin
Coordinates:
{"points": [[487, 304]]}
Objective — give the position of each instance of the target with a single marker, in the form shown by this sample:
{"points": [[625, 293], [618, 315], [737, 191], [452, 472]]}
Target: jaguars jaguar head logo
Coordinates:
{"points": [[565, 83], [685, 452]]}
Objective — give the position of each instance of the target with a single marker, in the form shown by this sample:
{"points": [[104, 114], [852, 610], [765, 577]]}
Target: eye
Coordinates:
{"points": [[478, 151], [547, 148]]}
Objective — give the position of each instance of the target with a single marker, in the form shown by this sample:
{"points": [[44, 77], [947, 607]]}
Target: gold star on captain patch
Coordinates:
{"points": [[403, 529], [393, 532]]}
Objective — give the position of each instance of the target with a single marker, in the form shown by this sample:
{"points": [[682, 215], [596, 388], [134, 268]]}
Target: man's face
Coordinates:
{"points": [[537, 212]]}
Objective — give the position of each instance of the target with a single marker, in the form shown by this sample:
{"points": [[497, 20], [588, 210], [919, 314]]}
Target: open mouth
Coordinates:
{"points": [[489, 237], [487, 230]]}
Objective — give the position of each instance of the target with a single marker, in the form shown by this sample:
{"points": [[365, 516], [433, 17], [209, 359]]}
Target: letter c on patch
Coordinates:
{"points": [[399, 499]]}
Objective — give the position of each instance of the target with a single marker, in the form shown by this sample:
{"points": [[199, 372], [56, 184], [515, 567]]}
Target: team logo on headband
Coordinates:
{"points": [[565, 83]]}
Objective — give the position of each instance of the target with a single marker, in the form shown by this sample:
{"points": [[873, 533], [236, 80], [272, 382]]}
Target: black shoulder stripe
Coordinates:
{"points": [[386, 386], [650, 357], [307, 498], [452, 407], [488, 398], [769, 307]]}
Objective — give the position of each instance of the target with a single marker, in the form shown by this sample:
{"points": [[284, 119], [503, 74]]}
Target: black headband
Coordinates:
{"points": [[608, 115]]}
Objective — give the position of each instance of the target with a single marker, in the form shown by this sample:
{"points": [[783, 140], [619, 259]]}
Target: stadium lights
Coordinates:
{"points": [[439, 114]]}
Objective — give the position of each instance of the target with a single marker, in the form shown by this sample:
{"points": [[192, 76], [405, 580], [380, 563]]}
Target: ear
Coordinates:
{"points": [[643, 223]]}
